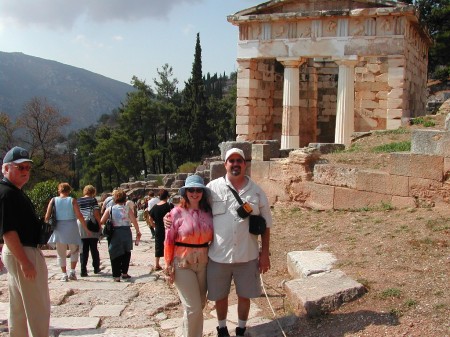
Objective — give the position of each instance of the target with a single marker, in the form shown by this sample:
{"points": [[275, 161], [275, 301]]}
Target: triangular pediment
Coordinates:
{"points": [[312, 6]]}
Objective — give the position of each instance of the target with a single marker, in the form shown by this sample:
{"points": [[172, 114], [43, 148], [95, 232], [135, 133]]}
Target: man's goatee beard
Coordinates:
{"points": [[236, 171]]}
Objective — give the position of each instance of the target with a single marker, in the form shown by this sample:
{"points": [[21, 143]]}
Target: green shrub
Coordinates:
{"points": [[188, 167], [442, 73], [41, 194]]}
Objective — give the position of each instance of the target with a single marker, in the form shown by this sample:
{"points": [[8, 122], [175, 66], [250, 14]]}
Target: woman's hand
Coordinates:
{"points": [[170, 273]]}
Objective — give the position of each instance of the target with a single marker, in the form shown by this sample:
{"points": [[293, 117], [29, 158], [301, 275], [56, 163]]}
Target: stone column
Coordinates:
{"points": [[345, 113], [290, 134]]}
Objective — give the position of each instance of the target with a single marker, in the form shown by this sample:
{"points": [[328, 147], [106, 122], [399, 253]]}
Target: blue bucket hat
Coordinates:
{"points": [[193, 181]]}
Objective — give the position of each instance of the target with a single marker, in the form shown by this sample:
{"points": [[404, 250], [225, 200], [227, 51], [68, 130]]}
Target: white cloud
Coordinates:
{"points": [[188, 29], [62, 14], [83, 41], [117, 38]]}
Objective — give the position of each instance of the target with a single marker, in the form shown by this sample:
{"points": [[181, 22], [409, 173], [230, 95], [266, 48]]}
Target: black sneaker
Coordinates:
{"points": [[97, 271], [222, 332], [84, 274], [240, 332]]}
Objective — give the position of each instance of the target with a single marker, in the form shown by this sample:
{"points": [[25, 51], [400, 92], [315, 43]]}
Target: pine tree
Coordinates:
{"points": [[192, 139]]}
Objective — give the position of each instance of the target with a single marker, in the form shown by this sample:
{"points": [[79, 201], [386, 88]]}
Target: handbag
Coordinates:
{"points": [[108, 228], [91, 224], [256, 224], [45, 232], [52, 219]]}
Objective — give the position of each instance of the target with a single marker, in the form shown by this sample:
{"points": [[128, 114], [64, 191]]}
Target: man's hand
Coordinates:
{"points": [[29, 271], [167, 221], [264, 263]]}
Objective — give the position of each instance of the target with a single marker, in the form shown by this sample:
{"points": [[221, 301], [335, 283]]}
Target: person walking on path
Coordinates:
{"points": [[66, 233], [151, 202], [29, 300], [186, 252], [89, 208], [120, 244], [157, 214], [234, 252]]}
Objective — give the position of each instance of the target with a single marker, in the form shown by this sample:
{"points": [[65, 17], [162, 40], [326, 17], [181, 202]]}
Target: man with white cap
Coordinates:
{"points": [[234, 252], [29, 300]]}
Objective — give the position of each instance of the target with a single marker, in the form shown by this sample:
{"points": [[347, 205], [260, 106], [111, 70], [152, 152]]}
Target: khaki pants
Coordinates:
{"points": [[29, 300], [191, 285]]}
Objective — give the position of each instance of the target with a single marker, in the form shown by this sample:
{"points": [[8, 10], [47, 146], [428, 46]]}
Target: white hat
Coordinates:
{"points": [[234, 150]]}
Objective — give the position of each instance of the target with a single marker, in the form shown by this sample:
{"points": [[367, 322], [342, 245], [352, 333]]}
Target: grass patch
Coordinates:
{"points": [[391, 293], [425, 121], [393, 147], [399, 131], [410, 303], [437, 225]]}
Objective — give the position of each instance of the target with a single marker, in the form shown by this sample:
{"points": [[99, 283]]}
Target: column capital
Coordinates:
{"points": [[346, 62], [291, 62]]}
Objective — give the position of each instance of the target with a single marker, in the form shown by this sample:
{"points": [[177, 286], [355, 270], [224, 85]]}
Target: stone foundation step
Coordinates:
{"points": [[317, 288]]}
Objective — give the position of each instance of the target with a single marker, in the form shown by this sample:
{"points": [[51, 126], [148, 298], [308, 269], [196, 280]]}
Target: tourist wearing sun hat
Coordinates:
{"points": [[186, 251], [29, 300]]}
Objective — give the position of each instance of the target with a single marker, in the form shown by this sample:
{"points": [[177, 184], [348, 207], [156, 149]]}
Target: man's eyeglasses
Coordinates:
{"points": [[237, 161], [192, 190], [23, 167]]}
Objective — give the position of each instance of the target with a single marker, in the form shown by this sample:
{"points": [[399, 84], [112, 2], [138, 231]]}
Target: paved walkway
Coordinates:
{"points": [[145, 305]]}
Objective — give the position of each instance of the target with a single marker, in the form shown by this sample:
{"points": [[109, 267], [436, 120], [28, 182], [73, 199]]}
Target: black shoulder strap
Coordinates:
{"points": [[236, 195]]}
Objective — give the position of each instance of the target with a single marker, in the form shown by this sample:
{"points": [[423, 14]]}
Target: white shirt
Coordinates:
{"points": [[152, 202], [232, 242]]}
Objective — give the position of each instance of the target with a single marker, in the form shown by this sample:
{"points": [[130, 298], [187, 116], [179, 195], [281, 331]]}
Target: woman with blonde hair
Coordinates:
{"points": [[66, 234], [120, 244]]}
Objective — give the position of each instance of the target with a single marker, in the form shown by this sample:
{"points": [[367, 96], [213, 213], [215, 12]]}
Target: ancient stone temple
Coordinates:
{"points": [[319, 70]]}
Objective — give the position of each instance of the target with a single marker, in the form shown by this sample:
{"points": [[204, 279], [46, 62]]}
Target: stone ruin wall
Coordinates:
{"points": [[255, 116], [416, 65]]}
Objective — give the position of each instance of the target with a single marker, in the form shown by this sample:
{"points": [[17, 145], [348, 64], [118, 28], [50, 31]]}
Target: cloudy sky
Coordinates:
{"points": [[119, 39]]}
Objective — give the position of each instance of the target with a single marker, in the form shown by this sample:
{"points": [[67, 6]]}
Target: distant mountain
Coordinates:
{"points": [[79, 94]]}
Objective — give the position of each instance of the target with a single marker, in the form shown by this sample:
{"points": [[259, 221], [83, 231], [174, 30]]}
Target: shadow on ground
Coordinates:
{"points": [[332, 325]]}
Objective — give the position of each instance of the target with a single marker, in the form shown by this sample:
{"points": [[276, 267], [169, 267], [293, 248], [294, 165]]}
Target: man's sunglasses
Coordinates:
{"points": [[192, 190], [23, 168], [237, 161]]}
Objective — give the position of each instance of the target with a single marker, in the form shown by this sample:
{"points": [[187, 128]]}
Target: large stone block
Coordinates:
{"points": [[284, 170], [335, 175], [275, 190], [436, 142], [346, 198], [373, 181], [318, 197], [403, 202], [260, 170], [260, 152], [381, 182], [302, 264], [217, 169], [417, 165], [322, 293]]}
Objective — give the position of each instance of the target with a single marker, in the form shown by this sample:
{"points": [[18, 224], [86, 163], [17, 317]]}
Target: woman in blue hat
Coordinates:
{"points": [[186, 251]]}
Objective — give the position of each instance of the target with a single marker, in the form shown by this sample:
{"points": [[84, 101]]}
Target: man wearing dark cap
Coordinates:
{"points": [[29, 300]]}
